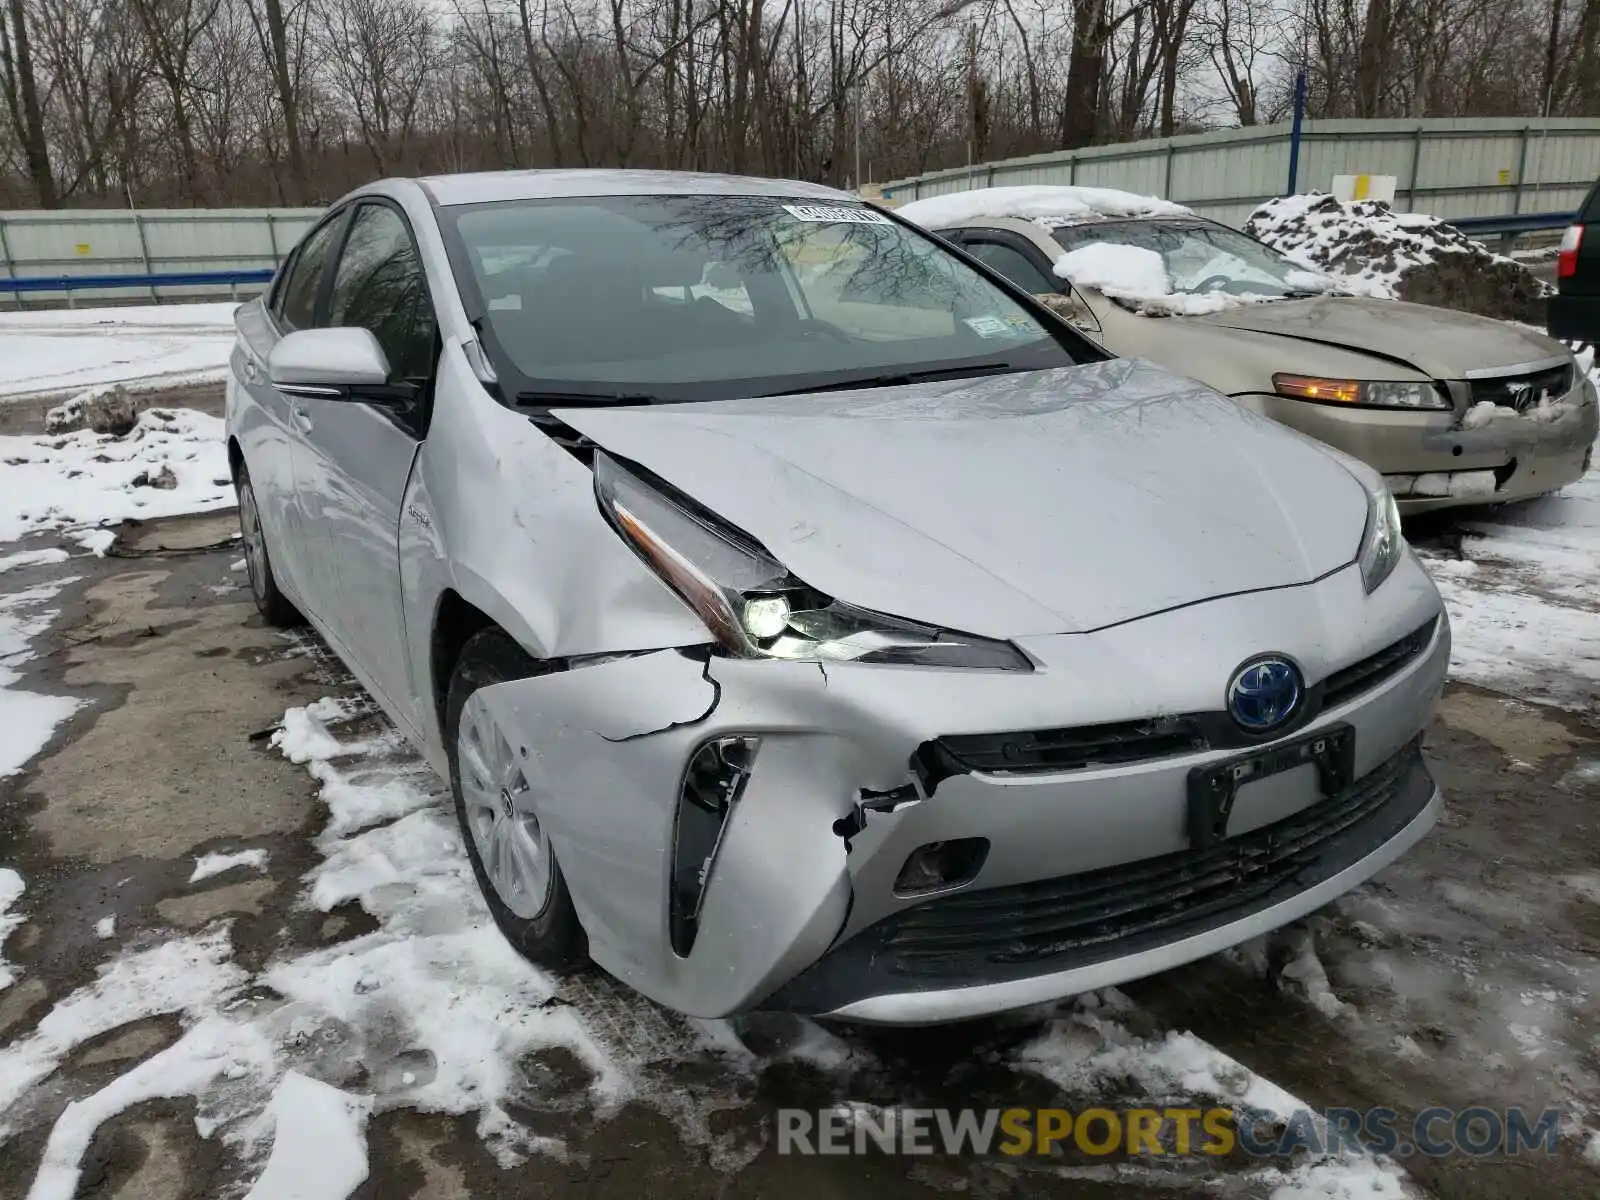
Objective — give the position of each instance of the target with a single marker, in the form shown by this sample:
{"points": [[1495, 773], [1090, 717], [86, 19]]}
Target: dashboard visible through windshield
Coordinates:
{"points": [[703, 297]]}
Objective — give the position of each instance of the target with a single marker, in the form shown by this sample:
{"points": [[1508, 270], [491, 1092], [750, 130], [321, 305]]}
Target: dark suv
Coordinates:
{"points": [[1574, 312]]}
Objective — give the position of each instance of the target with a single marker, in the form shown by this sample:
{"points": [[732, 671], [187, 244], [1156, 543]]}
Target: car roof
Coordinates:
{"points": [[486, 186], [1048, 224]]}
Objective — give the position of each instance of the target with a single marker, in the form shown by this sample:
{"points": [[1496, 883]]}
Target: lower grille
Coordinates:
{"points": [[1523, 392], [1032, 922], [1374, 669]]}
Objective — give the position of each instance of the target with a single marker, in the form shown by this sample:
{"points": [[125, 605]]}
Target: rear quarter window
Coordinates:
{"points": [[1590, 212]]}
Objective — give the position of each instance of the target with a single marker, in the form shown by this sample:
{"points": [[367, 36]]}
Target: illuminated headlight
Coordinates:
{"points": [[1378, 393], [1383, 542], [751, 604]]}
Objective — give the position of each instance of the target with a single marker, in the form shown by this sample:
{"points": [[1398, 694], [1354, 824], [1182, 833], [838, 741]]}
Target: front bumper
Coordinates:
{"points": [[1431, 462], [801, 880]]}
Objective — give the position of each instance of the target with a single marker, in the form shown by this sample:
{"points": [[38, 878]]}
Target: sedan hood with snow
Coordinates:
{"points": [[1440, 342], [1034, 503]]}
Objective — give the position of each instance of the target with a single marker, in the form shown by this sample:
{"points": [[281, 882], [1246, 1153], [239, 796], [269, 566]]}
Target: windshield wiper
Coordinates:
{"points": [[902, 378]]}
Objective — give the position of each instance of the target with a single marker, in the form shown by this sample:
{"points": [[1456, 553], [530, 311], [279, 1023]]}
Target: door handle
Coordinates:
{"points": [[252, 371], [300, 416]]}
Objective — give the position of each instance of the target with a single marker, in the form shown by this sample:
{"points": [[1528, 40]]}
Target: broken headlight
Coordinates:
{"points": [[749, 601]]}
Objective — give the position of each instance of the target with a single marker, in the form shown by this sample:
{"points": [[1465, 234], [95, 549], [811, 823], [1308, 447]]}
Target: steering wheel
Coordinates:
{"points": [[810, 326], [1214, 283]]}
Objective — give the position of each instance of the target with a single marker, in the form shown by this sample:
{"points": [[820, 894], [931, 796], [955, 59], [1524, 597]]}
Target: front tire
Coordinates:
{"points": [[509, 849], [274, 607]]}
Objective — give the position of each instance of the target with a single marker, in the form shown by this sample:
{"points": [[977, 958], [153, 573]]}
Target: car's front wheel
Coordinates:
{"points": [[274, 607], [509, 848]]}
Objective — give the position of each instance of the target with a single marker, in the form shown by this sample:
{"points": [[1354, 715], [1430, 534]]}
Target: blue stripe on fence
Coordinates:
{"points": [[71, 283]]}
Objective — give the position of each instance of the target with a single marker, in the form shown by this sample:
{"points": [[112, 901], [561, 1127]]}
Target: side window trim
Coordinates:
{"points": [[330, 277], [341, 214], [416, 246], [330, 270]]}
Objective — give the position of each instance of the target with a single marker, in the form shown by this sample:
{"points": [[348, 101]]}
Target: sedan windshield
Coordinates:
{"points": [[1202, 257], [708, 297]]}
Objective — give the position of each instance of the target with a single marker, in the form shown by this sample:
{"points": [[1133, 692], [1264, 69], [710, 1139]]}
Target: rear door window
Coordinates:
{"points": [[1590, 213]]}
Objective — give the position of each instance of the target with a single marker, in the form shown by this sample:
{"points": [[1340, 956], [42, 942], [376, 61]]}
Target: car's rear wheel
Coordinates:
{"points": [[508, 847], [274, 607]]}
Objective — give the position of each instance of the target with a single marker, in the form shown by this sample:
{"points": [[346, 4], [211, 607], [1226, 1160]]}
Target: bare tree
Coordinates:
{"points": [[21, 90]]}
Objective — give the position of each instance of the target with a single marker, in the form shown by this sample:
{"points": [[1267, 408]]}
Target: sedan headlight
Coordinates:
{"points": [[1383, 541], [1373, 393], [751, 604]]}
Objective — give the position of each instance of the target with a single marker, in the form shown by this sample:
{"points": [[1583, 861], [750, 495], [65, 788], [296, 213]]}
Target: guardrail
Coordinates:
{"points": [[1508, 226], [69, 284]]}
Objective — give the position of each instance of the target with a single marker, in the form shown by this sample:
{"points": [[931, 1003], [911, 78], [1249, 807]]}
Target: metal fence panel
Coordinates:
{"points": [[115, 241], [1448, 167]]}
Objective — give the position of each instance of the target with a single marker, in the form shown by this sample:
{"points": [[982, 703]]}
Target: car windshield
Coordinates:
{"points": [[1201, 257], [708, 297]]}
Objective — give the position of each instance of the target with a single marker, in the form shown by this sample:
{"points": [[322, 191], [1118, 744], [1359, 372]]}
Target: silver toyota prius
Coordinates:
{"points": [[806, 618]]}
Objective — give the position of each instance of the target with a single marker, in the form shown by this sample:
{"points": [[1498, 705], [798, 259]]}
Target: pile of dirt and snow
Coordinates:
{"points": [[1048, 206], [170, 461], [1375, 251]]}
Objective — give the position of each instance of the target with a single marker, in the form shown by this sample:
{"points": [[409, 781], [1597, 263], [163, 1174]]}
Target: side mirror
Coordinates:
{"points": [[328, 364], [1070, 307]]}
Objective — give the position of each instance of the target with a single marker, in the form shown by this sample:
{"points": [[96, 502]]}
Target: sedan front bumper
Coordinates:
{"points": [[809, 870], [1431, 461]]}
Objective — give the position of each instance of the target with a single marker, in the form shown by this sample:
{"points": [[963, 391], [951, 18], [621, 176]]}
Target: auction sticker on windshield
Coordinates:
{"points": [[835, 212]]}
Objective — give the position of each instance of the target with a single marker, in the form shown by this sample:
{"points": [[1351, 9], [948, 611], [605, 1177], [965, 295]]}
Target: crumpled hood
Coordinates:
{"points": [[1041, 502], [1438, 341]]}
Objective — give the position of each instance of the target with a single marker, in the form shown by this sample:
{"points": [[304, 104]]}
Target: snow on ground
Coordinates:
{"points": [[208, 865], [1524, 594], [11, 888], [65, 350], [27, 719], [433, 1010], [319, 1142], [1048, 206], [173, 461]]}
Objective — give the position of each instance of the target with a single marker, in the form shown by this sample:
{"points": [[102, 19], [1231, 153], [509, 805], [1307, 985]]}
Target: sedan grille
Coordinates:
{"points": [[1523, 392], [1099, 914]]}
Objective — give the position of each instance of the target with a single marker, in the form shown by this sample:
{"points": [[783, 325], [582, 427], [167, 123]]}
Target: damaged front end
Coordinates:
{"points": [[1520, 435]]}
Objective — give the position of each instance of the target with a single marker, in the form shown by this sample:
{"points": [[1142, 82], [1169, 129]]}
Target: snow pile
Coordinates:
{"points": [[173, 461], [1375, 251], [1047, 206], [1137, 277], [61, 350]]}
